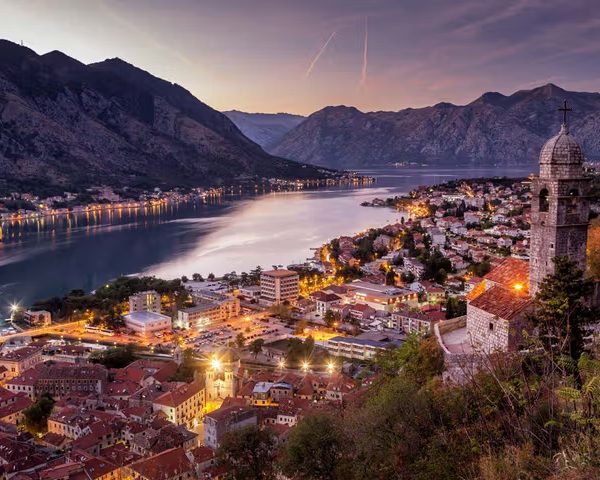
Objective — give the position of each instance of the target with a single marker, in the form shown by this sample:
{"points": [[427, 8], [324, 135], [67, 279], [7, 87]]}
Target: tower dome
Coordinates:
{"points": [[561, 156]]}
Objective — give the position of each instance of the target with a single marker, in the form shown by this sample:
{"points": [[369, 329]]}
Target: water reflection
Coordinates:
{"points": [[51, 255]]}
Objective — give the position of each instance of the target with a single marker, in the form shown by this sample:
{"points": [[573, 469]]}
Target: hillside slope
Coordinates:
{"points": [[66, 125], [266, 129]]}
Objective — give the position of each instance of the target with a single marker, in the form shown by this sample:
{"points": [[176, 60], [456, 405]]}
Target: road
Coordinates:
{"points": [[49, 330]]}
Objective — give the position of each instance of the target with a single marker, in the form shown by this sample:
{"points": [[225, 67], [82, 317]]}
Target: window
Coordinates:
{"points": [[544, 203], [491, 327], [572, 201]]}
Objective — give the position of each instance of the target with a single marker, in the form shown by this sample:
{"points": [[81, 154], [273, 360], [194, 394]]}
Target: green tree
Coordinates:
{"points": [[240, 340], [562, 312], [331, 317], [314, 449], [197, 277], [248, 453], [256, 346], [35, 418], [185, 371], [390, 277], [117, 357]]}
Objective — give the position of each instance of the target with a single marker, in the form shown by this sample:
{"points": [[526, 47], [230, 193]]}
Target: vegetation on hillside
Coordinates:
{"points": [[528, 415]]}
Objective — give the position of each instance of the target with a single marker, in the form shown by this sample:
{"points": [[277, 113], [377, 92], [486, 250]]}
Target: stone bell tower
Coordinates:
{"points": [[559, 206]]}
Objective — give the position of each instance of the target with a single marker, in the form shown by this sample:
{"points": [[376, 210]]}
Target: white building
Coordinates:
{"points": [[148, 301], [147, 323], [277, 286], [37, 318]]}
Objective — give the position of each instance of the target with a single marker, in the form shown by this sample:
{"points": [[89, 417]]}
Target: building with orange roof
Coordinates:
{"points": [[171, 464], [182, 405]]}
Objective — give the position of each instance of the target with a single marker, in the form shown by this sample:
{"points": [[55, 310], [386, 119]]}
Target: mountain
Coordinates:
{"points": [[493, 129], [66, 125], [266, 129]]}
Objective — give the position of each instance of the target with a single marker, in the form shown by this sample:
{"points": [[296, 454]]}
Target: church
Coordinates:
{"points": [[497, 308]]}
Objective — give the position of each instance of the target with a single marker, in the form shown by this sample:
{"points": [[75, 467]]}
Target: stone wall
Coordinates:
{"points": [[561, 230]]}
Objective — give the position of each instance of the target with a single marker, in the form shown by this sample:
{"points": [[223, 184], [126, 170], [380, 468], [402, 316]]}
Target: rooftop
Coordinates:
{"points": [[280, 273], [502, 302], [145, 316]]}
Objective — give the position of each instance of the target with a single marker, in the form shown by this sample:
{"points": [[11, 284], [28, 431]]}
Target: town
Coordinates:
{"points": [[146, 378]]}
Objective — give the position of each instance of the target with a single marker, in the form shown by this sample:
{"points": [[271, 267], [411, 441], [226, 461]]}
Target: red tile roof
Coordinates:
{"points": [[168, 464], [20, 404], [202, 454], [502, 302], [179, 395], [510, 272]]}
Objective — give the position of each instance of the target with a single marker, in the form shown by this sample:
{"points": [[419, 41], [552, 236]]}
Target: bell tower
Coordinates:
{"points": [[559, 206]]}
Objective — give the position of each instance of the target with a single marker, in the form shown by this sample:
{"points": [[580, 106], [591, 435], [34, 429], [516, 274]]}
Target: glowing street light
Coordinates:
{"points": [[330, 367], [281, 364], [215, 363], [518, 287], [305, 366], [14, 308]]}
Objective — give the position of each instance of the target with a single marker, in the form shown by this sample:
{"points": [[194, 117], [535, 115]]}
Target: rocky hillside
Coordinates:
{"points": [[66, 125], [266, 129], [494, 129]]}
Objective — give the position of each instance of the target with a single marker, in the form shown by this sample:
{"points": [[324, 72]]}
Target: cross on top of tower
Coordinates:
{"points": [[565, 109]]}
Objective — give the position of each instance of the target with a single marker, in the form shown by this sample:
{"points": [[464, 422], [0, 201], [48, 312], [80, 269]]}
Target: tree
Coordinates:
{"points": [[407, 277], [35, 418], [240, 340], [256, 346], [455, 307], [562, 313], [331, 317], [197, 277], [211, 277], [314, 448], [117, 357], [185, 371], [184, 279], [248, 453], [390, 277]]}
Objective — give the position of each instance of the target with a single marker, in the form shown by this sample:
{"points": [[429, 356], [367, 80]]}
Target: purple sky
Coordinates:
{"points": [[263, 55]]}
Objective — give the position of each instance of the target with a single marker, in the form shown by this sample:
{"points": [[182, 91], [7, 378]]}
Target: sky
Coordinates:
{"points": [[299, 56]]}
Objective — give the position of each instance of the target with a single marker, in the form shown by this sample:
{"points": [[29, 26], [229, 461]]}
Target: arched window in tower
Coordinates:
{"points": [[573, 201], [544, 203]]}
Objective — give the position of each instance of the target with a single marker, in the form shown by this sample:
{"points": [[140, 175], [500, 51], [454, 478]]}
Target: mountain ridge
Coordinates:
{"points": [[493, 129], [266, 129], [65, 125]]}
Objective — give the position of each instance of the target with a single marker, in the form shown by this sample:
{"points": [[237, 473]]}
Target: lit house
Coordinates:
{"points": [[277, 286], [148, 301], [147, 323], [359, 348], [227, 419], [183, 405], [211, 308], [19, 360], [37, 318]]}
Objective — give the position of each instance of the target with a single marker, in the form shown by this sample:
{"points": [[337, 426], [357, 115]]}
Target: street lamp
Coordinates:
{"points": [[281, 364], [305, 366], [215, 363], [330, 367]]}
